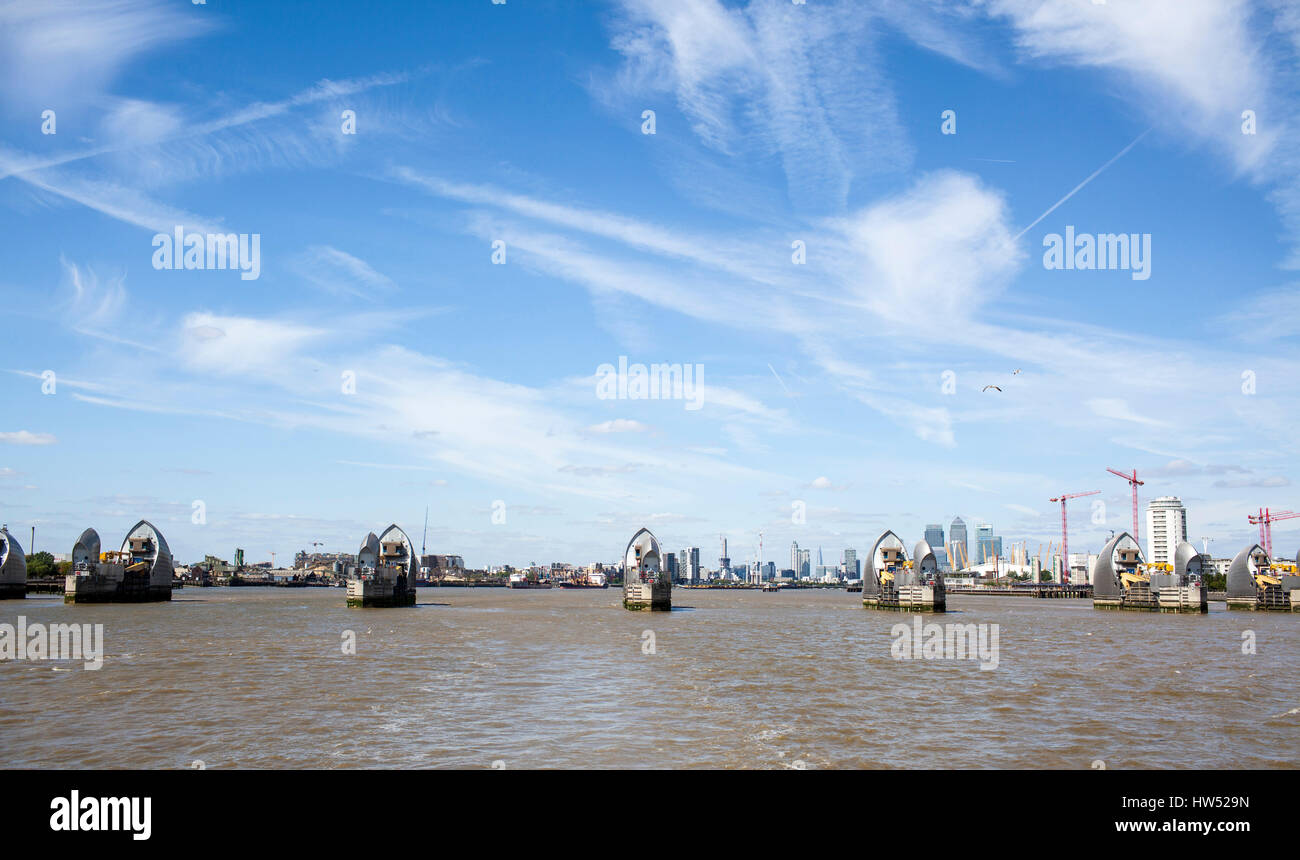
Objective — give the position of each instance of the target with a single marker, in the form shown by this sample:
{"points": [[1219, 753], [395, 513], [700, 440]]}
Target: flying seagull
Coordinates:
{"points": [[987, 387], [1014, 372]]}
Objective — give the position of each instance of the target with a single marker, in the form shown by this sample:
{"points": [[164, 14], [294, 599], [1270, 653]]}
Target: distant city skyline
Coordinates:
{"points": [[558, 272]]}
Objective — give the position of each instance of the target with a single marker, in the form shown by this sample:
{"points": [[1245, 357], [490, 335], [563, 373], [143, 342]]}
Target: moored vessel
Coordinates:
{"points": [[587, 580], [527, 580]]}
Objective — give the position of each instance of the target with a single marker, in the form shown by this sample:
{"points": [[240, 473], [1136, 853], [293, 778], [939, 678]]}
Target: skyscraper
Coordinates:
{"points": [[688, 564], [957, 540], [1166, 526], [984, 543], [934, 537], [794, 558], [851, 563]]}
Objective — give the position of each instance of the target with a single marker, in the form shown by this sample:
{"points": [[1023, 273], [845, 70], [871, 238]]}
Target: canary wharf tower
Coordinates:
{"points": [[957, 538]]}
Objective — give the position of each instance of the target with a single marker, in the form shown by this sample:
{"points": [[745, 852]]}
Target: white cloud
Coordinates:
{"points": [[618, 425], [245, 344], [70, 51], [339, 272], [940, 250], [1265, 483], [95, 305], [132, 122], [1196, 61], [800, 83], [1119, 410], [1193, 65], [25, 437], [716, 252], [1270, 315]]}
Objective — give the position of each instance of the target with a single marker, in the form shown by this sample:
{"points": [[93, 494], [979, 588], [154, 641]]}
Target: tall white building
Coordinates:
{"points": [[1166, 526], [688, 565]]}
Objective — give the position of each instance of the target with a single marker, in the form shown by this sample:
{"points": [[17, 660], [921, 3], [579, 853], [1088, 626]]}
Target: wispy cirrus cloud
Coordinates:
{"points": [[1213, 61], [1262, 482], [70, 51], [339, 272], [800, 83], [619, 425]]}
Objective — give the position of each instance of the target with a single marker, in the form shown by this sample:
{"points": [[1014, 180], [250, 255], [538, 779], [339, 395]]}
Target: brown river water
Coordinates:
{"points": [[476, 678]]}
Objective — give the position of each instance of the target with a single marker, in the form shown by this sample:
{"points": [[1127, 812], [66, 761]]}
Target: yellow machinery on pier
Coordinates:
{"points": [[139, 571], [892, 581], [1256, 581], [1123, 579]]}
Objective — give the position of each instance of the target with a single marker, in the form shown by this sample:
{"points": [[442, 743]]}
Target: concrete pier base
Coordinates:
{"points": [[1181, 609], [13, 590], [647, 596], [1252, 605], [909, 598], [130, 588], [367, 594], [1176, 599], [641, 606]]}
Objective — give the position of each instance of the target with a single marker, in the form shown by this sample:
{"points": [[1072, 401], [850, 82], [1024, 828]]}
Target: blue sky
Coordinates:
{"points": [[523, 123]]}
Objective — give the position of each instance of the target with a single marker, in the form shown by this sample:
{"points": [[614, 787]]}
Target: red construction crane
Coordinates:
{"points": [[1265, 519], [1135, 483], [1065, 538]]}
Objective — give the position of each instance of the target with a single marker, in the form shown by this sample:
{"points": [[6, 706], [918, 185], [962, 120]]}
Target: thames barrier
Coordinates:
{"points": [[13, 567], [1122, 579], [895, 582], [140, 572], [386, 569], [645, 584], [1257, 582]]}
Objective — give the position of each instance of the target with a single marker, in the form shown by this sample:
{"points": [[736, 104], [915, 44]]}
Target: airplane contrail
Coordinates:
{"points": [[778, 378], [1078, 187]]}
